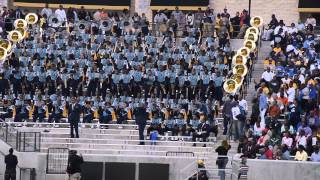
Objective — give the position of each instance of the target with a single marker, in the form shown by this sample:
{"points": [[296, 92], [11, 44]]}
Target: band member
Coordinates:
{"points": [[57, 111], [88, 112]]}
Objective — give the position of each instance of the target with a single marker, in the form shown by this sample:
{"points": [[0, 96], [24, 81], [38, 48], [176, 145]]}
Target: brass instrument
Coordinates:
{"points": [[14, 36], [4, 43], [31, 18], [106, 25], [253, 30], [238, 78], [244, 51], [54, 21], [23, 32], [251, 36], [249, 44], [230, 86], [239, 59], [20, 23], [3, 53], [240, 69], [256, 21]]}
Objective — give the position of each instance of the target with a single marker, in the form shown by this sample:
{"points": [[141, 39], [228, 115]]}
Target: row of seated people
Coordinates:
{"points": [[181, 118]]}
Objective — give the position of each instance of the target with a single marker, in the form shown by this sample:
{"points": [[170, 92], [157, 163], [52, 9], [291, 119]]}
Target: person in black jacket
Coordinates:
{"points": [[222, 160], [11, 164], [74, 165], [141, 120], [74, 111], [202, 130]]}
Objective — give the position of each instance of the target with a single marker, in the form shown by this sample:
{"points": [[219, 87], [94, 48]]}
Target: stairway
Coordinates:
{"points": [[258, 69], [250, 95]]}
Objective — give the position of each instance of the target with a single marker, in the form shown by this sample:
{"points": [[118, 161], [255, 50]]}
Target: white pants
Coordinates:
{"points": [[262, 114], [75, 176]]}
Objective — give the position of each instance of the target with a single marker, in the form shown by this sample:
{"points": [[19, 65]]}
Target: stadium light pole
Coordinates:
{"points": [[249, 8]]}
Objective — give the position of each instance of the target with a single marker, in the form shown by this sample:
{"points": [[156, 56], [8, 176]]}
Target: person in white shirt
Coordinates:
{"points": [[46, 11], [267, 75], [236, 124], [291, 93], [61, 14], [311, 20], [292, 29], [243, 103], [159, 18], [287, 140], [96, 15]]}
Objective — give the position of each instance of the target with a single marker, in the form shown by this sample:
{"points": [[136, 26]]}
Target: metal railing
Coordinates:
{"points": [[21, 141], [57, 160], [180, 154]]}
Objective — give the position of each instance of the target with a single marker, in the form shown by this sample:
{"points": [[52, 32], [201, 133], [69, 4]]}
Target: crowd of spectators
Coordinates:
{"points": [[284, 123], [111, 71]]}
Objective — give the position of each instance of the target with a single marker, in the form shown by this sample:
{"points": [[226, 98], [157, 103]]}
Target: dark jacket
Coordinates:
{"points": [[74, 164], [74, 113], [11, 162], [141, 115]]}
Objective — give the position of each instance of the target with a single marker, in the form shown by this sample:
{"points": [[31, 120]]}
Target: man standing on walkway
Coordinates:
{"points": [[11, 164], [141, 120]]}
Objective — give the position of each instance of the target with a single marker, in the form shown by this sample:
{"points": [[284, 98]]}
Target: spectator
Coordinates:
{"points": [[235, 21], [222, 160], [315, 157], [61, 14], [74, 165], [311, 20], [46, 11], [11, 162], [301, 154]]}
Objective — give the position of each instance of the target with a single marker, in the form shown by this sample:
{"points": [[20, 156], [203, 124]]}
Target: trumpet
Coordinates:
{"points": [[20, 23], [31, 18], [14, 36], [250, 44], [256, 21], [244, 51], [239, 59], [230, 86], [240, 69], [3, 53]]}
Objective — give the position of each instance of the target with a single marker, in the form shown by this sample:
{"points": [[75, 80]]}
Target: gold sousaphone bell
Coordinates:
{"points": [[239, 59], [14, 36], [256, 21], [230, 86], [244, 51], [4, 43], [253, 30], [249, 44], [20, 23], [240, 69], [251, 36], [3, 53], [238, 78], [31, 18], [23, 32]]}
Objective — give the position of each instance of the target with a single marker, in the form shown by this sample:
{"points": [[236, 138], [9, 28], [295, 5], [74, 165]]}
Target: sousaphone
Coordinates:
{"points": [[244, 51], [238, 78], [4, 43], [251, 36], [23, 32], [239, 59], [240, 69], [230, 86], [253, 30], [20, 23], [54, 21], [106, 25], [14, 36], [256, 21], [250, 44], [163, 28], [3, 53], [31, 18]]}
